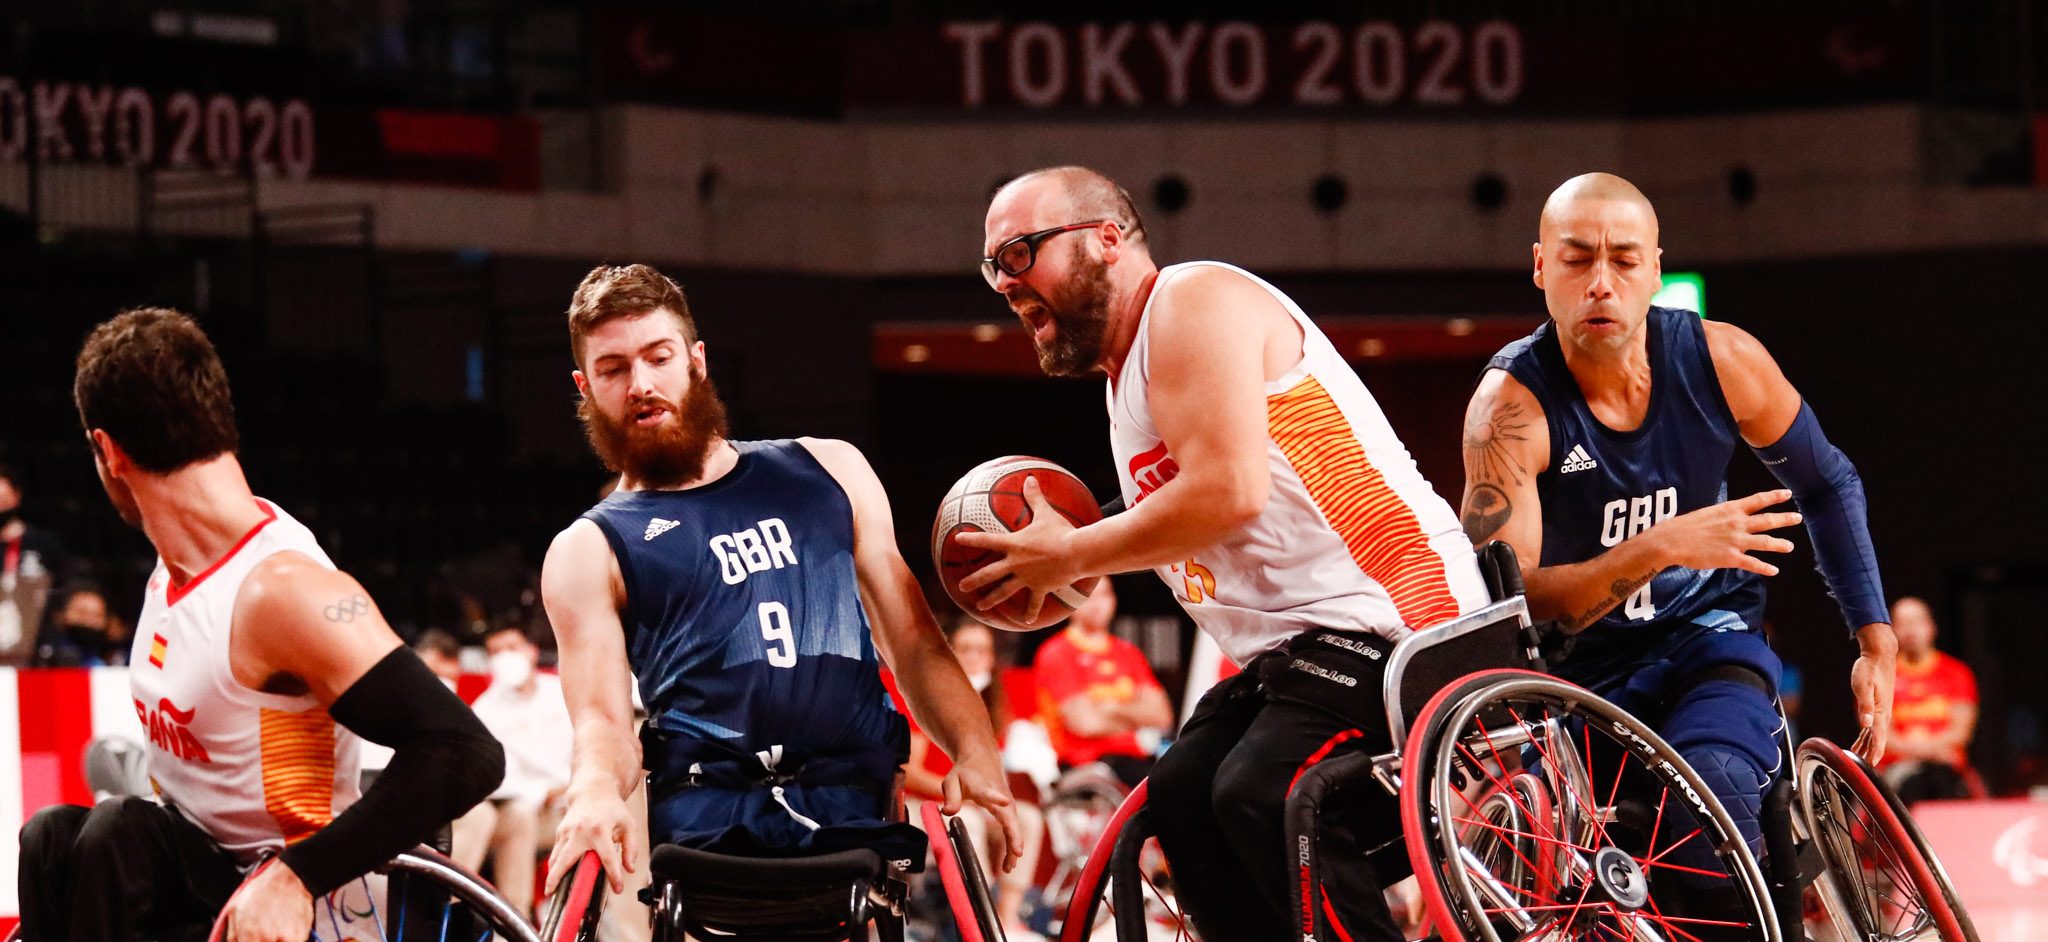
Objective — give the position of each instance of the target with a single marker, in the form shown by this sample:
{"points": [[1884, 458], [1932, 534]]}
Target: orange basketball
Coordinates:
{"points": [[991, 498]]}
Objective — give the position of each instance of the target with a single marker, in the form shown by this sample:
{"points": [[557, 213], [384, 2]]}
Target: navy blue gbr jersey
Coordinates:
{"points": [[1604, 486], [743, 620]]}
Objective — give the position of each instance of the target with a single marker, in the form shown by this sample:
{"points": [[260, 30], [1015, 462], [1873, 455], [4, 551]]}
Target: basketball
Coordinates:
{"points": [[991, 498]]}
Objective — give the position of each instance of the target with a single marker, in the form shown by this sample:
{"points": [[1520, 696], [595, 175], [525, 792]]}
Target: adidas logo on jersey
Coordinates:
{"points": [[657, 527], [1578, 460]]}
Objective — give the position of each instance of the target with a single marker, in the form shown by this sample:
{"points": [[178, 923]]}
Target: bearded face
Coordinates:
{"points": [[1080, 319], [671, 451]]}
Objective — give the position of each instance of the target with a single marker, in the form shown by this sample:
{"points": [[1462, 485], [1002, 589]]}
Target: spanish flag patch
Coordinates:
{"points": [[157, 647]]}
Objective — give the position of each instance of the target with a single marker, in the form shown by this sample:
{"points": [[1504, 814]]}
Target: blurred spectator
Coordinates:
{"points": [[31, 559], [974, 644], [81, 633], [1934, 713], [1098, 695], [442, 655], [1792, 696], [525, 710]]}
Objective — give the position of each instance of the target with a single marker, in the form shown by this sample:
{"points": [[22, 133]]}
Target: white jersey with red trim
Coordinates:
{"points": [[254, 770], [1352, 537]]}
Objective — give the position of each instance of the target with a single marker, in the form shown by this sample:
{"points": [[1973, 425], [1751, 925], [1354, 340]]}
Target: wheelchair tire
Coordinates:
{"points": [[577, 904], [960, 876], [1116, 876], [1609, 873], [1866, 838]]}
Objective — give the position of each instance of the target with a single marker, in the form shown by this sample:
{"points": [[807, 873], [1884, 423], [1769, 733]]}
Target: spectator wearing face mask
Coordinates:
{"points": [[31, 560], [81, 633], [525, 710]]}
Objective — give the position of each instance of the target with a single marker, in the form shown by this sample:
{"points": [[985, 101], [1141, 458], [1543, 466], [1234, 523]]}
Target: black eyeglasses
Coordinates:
{"points": [[1016, 256]]}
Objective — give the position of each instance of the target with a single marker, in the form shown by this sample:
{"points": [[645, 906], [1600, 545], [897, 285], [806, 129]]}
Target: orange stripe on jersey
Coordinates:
{"points": [[1378, 528], [298, 771]]}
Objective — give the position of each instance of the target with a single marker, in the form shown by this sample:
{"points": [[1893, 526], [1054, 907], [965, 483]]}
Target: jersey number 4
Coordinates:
{"points": [[775, 631], [1639, 607]]}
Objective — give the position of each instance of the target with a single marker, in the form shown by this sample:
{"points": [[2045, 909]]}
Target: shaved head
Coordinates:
{"points": [[1598, 264], [1913, 623], [1083, 194], [1593, 188]]}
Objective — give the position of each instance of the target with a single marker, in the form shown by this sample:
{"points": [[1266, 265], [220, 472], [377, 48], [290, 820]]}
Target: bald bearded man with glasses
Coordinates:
{"points": [[1267, 490]]}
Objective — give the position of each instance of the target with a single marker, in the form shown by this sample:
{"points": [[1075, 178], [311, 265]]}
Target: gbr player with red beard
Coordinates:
{"points": [[257, 666], [746, 586], [1268, 491]]}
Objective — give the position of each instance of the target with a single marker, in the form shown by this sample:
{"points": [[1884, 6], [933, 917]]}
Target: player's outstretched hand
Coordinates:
{"points": [[982, 782], [1724, 535], [597, 820], [1871, 680], [273, 906], [1034, 558]]}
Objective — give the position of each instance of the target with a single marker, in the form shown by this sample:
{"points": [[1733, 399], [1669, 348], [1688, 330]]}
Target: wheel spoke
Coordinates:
{"points": [[1488, 734], [1582, 802], [1660, 921], [1672, 866], [1169, 903], [1521, 840], [1663, 796], [1497, 830], [1660, 855]]}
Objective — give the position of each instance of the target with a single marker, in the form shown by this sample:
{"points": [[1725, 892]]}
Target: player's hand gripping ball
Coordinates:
{"points": [[991, 498]]}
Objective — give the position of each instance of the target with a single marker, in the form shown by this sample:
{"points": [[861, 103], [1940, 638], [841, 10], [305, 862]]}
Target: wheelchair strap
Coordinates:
{"points": [[1739, 673], [794, 814], [677, 761]]}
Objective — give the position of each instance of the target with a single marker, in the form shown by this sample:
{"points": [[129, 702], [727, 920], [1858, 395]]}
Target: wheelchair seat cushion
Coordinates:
{"points": [[699, 869]]}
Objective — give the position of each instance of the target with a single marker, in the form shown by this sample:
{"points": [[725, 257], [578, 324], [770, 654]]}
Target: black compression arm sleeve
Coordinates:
{"points": [[444, 762]]}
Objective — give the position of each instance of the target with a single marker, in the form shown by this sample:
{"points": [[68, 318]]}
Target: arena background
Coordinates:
{"points": [[379, 209]]}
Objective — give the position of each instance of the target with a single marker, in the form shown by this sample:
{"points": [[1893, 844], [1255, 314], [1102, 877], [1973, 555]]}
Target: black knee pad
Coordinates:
{"points": [[113, 826], [56, 825]]}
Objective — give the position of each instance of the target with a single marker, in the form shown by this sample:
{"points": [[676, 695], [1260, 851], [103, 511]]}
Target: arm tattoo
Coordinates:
{"points": [[1486, 444], [1616, 594], [346, 610], [1487, 509]]}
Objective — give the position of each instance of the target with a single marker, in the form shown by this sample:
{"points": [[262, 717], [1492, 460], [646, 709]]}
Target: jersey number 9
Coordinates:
{"points": [[781, 642]]}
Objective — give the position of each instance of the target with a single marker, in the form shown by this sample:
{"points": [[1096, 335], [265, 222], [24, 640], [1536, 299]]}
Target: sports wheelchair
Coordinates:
{"points": [[423, 895], [1534, 809], [819, 898], [420, 895]]}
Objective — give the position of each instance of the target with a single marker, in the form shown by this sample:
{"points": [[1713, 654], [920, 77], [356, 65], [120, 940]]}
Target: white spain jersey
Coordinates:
{"points": [[254, 770], [1352, 537]]}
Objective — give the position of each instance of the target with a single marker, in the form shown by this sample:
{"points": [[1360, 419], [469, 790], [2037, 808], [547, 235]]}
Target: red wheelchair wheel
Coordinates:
{"points": [[1881, 881]]}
